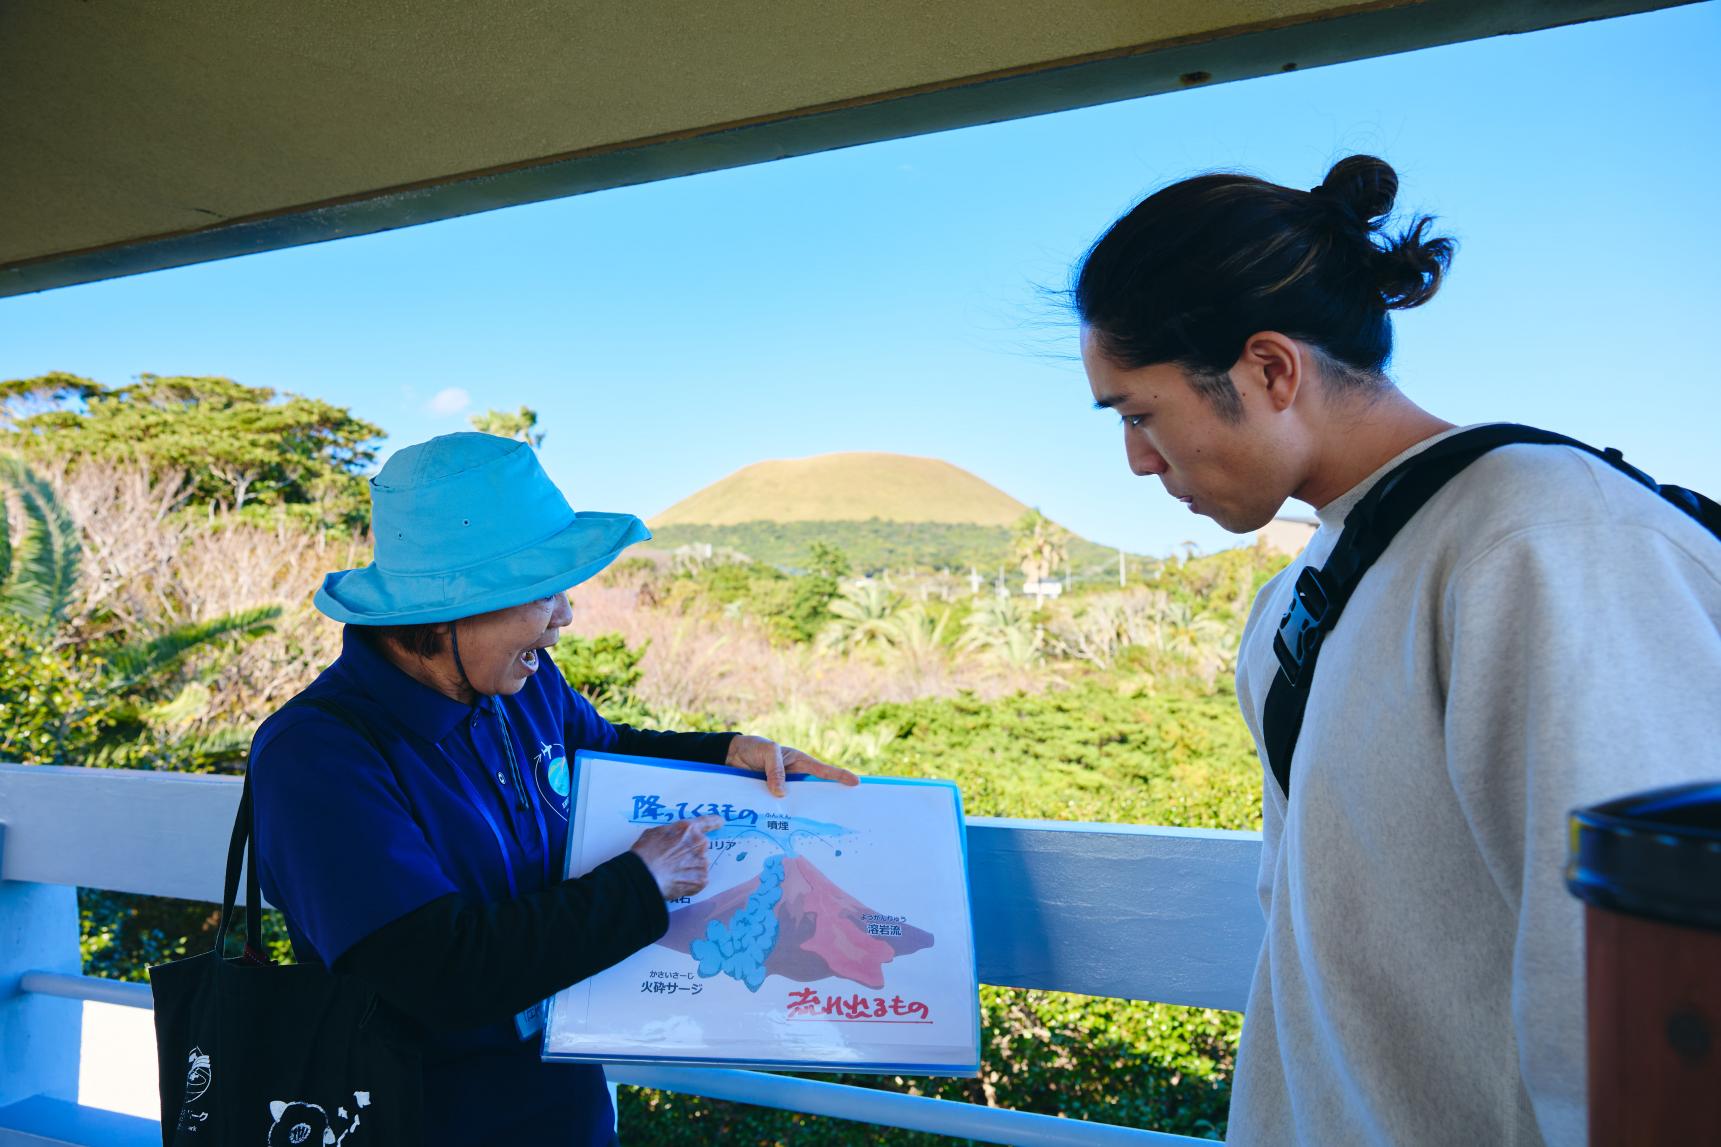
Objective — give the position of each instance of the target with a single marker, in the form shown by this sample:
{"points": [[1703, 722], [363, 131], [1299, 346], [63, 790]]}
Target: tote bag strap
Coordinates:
{"points": [[242, 853], [242, 849]]}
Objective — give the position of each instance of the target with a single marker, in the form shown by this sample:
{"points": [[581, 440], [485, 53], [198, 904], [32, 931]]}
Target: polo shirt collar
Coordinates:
{"points": [[412, 704]]}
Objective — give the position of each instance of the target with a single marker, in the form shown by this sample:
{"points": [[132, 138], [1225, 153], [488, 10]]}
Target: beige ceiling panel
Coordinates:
{"points": [[137, 134]]}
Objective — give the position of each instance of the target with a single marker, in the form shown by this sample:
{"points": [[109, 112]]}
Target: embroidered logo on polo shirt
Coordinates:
{"points": [[550, 766]]}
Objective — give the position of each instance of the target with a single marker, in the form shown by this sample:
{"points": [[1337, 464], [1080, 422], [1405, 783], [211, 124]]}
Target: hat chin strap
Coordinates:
{"points": [[460, 666]]}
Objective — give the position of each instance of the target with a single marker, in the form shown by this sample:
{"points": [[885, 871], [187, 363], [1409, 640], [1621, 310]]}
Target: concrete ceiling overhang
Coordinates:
{"points": [[137, 135]]}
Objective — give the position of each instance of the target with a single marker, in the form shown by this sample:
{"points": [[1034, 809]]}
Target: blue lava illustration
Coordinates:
{"points": [[739, 946]]}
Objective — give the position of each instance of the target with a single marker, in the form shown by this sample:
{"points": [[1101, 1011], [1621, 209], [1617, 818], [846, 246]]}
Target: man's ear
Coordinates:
{"points": [[1274, 366]]}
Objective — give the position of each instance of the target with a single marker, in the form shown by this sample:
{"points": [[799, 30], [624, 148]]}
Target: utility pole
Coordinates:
{"points": [[1122, 576]]}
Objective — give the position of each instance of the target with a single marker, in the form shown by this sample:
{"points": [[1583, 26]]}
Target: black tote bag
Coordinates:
{"points": [[254, 1054]]}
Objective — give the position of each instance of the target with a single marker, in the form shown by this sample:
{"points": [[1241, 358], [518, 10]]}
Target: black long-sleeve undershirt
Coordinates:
{"points": [[706, 748], [457, 963]]}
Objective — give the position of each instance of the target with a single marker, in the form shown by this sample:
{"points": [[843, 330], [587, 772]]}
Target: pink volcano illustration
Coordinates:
{"points": [[792, 920]]}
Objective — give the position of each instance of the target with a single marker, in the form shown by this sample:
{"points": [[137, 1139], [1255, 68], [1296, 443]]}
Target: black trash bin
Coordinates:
{"points": [[1648, 868]]}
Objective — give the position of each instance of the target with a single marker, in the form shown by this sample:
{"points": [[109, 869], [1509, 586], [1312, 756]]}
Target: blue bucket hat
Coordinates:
{"points": [[469, 523]]}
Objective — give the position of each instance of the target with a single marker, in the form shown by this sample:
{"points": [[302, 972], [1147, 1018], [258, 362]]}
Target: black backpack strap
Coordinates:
{"points": [[1320, 596]]}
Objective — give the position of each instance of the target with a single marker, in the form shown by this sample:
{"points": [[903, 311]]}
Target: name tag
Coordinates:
{"points": [[531, 1021]]}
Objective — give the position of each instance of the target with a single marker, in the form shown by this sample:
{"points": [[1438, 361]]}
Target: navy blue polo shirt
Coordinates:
{"points": [[353, 834]]}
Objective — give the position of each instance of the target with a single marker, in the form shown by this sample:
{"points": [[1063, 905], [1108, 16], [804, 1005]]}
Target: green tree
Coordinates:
{"points": [[808, 609], [240, 444], [23, 398], [523, 424], [827, 561]]}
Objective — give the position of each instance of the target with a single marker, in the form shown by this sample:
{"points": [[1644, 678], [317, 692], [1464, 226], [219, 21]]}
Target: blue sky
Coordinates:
{"points": [[889, 297]]}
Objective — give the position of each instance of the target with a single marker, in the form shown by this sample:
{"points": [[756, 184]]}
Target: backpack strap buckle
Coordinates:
{"points": [[1303, 626]]}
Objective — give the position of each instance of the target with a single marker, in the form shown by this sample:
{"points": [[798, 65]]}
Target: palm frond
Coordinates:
{"points": [[213, 751], [42, 562], [134, 664], [190, 704]]}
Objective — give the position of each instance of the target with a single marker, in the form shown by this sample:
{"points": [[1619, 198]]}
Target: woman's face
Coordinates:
{"points": [[500, 649]]}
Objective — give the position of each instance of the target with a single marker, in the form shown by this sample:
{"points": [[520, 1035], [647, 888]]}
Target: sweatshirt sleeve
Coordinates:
{"points": [[1582, 663]]}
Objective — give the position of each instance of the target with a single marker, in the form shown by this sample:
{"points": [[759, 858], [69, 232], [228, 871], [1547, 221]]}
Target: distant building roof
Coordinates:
{"points": [[1287, 535]]}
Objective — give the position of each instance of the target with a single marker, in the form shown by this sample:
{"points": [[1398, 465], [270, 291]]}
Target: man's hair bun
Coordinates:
{"points": [[1406, 270], [1411, 267], [1364, 184]]}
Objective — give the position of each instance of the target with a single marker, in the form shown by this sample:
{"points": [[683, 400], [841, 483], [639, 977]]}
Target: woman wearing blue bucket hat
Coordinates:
{"points": [[412, 802]]}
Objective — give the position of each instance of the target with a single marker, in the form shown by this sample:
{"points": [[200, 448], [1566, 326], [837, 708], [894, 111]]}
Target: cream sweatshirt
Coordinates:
{"points": [[1545, 634]]}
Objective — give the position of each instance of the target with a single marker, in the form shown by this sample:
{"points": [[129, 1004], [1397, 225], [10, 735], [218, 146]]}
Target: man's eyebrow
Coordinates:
{"points": [[1110, 401]]}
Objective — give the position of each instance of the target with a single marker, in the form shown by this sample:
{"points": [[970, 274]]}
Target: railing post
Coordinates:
{"points": [[39, 1035]]}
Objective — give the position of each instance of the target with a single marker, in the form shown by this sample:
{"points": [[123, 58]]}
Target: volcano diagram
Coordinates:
{"points": [[793, 921]]}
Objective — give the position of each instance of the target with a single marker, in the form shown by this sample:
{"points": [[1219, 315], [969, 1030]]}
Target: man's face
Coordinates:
{"points": [[1233, 471]]}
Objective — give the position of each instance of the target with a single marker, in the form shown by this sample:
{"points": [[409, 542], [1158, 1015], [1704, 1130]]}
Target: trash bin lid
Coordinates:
{"points": [[1652, 854]]}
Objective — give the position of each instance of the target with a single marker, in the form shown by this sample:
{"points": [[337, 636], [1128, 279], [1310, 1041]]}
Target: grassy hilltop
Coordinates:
{"points": [[886, 511], [847, 488]]}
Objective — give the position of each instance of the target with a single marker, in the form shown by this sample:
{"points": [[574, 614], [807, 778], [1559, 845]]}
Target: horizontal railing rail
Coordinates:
{"points": [[1135, 912], [92, 989]]}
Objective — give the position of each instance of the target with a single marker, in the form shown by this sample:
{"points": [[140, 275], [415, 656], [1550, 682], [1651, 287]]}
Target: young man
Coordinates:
{"points": [[1544, 634]]}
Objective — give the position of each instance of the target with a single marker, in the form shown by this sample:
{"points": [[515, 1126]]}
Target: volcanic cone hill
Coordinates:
{"points": [[817, 931], [885, 511]]}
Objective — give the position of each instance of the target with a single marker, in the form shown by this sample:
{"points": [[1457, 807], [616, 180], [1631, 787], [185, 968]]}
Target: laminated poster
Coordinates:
{"points": [[833, 934]]}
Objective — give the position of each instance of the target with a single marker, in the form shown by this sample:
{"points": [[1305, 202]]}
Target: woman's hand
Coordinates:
{"points": [[677, 855], [766, 756]]}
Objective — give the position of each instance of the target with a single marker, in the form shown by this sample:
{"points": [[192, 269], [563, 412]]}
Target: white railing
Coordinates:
{"points": [[1110, 910]]}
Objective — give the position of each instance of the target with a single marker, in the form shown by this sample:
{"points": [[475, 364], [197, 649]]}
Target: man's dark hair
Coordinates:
{"points": [[1196, 268]]}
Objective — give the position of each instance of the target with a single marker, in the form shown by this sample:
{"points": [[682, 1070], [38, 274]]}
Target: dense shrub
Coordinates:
{"points": [[1095, 752], [793, 608]]}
